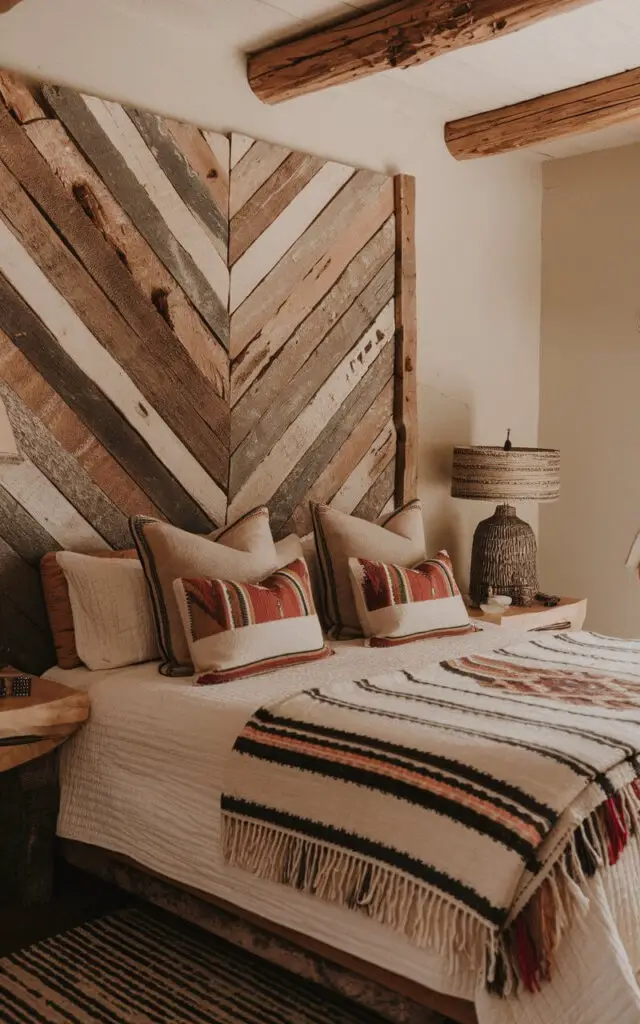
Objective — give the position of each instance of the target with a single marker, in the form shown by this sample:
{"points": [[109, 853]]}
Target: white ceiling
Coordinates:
{"points": [[601, 38]]}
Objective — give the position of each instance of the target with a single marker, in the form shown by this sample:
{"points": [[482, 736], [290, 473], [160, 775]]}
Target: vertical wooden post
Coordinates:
{"points": [[406, 395]]}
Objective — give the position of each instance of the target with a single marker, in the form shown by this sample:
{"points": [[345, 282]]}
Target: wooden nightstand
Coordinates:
{"points": [[570, 613], [30, 730]]}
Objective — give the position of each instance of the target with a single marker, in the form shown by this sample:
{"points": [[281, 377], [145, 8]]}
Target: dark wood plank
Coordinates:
{"points": [[22, 643], [128, 326], [22, 582], [295, 395], [63, 471], [42, 349], [267, 388], [21, 531], [406, 400], [184, 179], [378, 494], [299, 482], [270, 200], [124, 186]]}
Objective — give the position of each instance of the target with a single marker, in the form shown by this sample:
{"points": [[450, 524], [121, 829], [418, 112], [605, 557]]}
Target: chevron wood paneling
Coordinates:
{"points": [[190, 324]]}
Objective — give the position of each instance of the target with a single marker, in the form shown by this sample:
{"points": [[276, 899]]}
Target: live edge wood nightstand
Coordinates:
{"points": [[31, 728], [569, 613]]}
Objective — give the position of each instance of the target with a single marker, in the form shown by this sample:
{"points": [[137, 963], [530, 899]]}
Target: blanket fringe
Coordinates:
{"points": [[521, 953]]}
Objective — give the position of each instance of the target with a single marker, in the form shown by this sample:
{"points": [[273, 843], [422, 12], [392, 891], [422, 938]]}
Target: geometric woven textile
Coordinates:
{"points": [[141, 967]]}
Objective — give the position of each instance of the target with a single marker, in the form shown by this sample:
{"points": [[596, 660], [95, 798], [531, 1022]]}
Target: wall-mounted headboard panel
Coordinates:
{"points": [[190, 325]]}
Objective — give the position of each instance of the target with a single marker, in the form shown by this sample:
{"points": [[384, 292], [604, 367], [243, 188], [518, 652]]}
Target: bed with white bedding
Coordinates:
{"points": [[144, 779]]}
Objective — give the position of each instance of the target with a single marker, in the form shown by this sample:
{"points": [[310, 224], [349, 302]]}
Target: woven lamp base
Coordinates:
{"points": [[504, 559]]}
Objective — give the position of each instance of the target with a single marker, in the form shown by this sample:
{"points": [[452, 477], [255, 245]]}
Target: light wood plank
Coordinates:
{"points": [[126, 189], [406, 402], [240, 145], [18, 95], [276, 240], [379, 499], [100, 367], [22, 532], [150, 274], [583, 108], [293, 444], [208, 154], [366, 472], [276, 376], [400, 34], [252, 170]]}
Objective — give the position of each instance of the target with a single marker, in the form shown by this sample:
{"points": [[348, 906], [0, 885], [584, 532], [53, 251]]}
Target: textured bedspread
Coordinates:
{"points": [[479, 806]]}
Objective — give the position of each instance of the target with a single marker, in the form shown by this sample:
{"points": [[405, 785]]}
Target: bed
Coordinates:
{"points": [[143, 780]]}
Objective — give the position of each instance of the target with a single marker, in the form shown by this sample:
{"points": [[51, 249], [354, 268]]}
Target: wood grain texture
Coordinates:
{"points": [[584, 108], [400, 34], [406, 354]]}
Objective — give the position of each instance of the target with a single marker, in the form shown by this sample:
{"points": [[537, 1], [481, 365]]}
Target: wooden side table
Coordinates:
{"points": [[31, 728], [569, 613]]}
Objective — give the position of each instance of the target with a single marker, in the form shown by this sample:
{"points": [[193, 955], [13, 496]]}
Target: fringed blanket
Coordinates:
{"points": [[465, 806]]}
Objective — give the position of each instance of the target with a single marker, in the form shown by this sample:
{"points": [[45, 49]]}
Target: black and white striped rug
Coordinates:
{"points": [[138, 967]]}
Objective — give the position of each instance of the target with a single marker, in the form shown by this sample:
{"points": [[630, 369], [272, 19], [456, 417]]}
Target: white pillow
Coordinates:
{"points": [[112, 613]]}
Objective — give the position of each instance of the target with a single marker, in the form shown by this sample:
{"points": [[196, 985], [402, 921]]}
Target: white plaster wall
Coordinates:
{"points": [[590, 380], [478, 223]]}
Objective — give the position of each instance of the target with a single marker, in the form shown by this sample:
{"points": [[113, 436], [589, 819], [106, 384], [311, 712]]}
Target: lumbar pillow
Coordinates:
{"points": [[397, 605], [58, 604], [243, 629], [112, 614], [243, 551], [396, 538]]}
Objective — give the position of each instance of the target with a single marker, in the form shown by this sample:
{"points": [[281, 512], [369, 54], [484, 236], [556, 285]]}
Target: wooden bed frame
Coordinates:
{"points": [[399, 999]]}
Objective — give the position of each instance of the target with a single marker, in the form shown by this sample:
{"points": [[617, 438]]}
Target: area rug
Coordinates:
{"points": [[140, 966]]}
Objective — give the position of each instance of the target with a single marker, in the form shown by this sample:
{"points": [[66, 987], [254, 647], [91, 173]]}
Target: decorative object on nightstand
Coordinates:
{"points": [[32, 726], [504, 554], [565, 613]]}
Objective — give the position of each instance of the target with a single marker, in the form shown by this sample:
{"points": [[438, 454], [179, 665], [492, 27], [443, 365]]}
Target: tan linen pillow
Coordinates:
{"points": [[243, 551], [58, 605], [112, 613], [397, 538]]}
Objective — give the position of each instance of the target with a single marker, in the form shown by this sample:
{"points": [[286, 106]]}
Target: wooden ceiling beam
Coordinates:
{"points": [[6, 5], [583, 108], [393, 35]]}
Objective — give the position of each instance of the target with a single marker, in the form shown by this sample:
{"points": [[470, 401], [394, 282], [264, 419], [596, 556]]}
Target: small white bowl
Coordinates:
{"points": [[501, 599]]}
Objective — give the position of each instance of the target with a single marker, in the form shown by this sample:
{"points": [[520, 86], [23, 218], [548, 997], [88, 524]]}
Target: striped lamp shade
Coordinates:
{"points": [[494, 474]]}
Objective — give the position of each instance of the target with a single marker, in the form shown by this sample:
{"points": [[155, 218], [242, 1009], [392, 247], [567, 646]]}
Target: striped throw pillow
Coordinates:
{"points": [[397, 605], [236, 630]]}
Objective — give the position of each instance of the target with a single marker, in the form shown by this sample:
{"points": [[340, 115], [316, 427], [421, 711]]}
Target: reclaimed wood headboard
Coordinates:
{"points": [[190, 325]]}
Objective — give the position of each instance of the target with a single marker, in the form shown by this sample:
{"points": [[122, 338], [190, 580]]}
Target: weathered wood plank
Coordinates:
{"points": [[295, 395], [267, 250], [353, 449], [336, 432], [269, 317], [187, 183], [367, 470], [406, 402], [70, 431], [275, 378], [70, 479], [128, 192], [22, 532], [270, 200], [18, 95], [150, 274], [294, 442], [80, 392], [151, 355], [208, 154], [379, 497], [240, 145], [23, 644], [400, 34], [252, 170], [94, 360]]}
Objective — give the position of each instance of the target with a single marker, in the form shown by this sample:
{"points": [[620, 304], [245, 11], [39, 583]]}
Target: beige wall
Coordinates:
{"points": [[478, 227], [590, 381]]}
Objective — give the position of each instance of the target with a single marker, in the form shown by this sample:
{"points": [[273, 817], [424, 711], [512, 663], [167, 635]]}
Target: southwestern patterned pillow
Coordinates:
{"points": [[236, 630], [397, 605]]}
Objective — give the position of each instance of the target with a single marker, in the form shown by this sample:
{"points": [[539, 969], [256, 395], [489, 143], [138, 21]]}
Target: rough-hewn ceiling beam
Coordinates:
{"points": [[583, 108], [392, 35], [6, 5]]}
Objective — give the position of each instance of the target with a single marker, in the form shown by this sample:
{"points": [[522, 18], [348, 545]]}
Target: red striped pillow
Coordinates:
{"points": [[236, 630], [397, 605]]}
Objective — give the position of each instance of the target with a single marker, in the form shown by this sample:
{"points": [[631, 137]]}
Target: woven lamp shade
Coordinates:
{"points": [[494, 474]]}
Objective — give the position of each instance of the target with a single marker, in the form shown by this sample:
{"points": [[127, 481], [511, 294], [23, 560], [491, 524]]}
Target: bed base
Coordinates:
{"points": [[397, 999]]}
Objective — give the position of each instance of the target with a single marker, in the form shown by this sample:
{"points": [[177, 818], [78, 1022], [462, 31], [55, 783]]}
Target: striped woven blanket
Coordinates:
{"points": [[465, 806]]}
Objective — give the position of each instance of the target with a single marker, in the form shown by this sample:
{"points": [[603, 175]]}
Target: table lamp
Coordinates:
{"points": [[504, 553]]}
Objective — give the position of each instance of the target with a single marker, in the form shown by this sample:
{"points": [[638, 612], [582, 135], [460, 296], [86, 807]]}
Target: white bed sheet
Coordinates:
{"points": [[144, 778]]}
